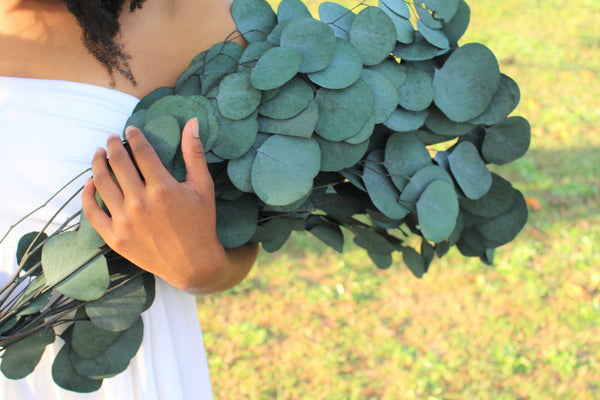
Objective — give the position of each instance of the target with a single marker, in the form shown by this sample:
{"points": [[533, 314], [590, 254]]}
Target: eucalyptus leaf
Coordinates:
{"points": [[405, 32], [336, 156], [381, 260], [344, 69], [222, 57], [237, 98], [330, 234], [434, 36], [343, 112], [151, 98], [284, 169], [365, 132], [239, 170], [386, 95], [496, 201], [437, 210], [372, 241], [398, 7], [290, 100], [164, 134], [119, 308], [457, 26], [442, 9], [87, 236], [76, 272], [467, 82], [115, 359], [503, 103], [66, 377], [337, 17], [419, 182], [392, 70], [404, 156], [438, 123], [506, 226], [414, 261], [373, 34], [236, 220], [235, 137], [27, 255], [313, 39], [426, 15], [278, 230], [380, 188], [254, 19], [417, 50], [469, 170], [417, 92], [252, 54], [301, 125], [290, 9], [276, 67], [89, 341], [20, 358], [506, 141]]}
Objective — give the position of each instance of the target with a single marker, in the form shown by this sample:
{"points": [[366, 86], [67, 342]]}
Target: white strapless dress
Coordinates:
{"points": [[49, 131]]}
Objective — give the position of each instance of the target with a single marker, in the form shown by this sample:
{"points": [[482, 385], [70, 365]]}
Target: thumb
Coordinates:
{"points": [[193, 155]]}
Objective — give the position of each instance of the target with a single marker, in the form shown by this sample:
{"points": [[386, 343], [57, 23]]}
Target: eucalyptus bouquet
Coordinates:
{"points": [[371, 122]]}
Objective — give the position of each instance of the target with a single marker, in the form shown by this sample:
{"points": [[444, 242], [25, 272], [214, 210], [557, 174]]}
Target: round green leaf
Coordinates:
{"points": [[469, 170], [276, 67], [392, 70], [164, 134], [284, 169], [336, 156], [222, 57], [365, 132], [506, 141], [119, 308], [457, 26], [66, 377], [78, 273], [467, 82], [403, 120], [438, 123], [506, 226], [254, 19], [313, 39], [496, 201], [344, 70], [302, 125], [19, 359], [437, 210], [372, 241], [290, 9], [275, 35], [342, 113], [434, 36], [337, 17], [330, 234], [398, 7], [405, 32], [237, 98], [179, 107], [414, 261], [419, 181], [87, 236], [236, 220], [417, 50], [503, 103], [239, 169], [386, 95], [275, 232], [442, 9], [252, 54], [381, 261], [426, 15], [152, 97], [404, 156], [115, 359], [373, 34], [380, 188], [292, 98], [235, 137], [417, 92], [27, 244], [89, 341]]}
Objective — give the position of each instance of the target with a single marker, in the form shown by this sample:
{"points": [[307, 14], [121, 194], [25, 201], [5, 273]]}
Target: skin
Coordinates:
{"points": [[163, 226]]}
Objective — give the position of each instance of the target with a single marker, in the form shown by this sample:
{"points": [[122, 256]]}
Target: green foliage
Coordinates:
{"points": [[320, 126]]}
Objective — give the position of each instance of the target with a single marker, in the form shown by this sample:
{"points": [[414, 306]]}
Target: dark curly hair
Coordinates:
{"points": [[99, 20]]}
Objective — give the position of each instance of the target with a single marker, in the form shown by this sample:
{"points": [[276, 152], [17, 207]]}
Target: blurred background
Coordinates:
{"points": [[309, 323]]}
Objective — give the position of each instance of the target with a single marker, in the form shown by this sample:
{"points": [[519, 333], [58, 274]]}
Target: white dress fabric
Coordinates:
{"points": [[49, 131]]}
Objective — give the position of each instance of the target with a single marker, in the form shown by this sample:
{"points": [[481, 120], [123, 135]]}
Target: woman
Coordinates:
{"points": [[70, 74]]}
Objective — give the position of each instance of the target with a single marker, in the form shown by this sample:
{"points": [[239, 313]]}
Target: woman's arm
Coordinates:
{"points": [[165, 227]]}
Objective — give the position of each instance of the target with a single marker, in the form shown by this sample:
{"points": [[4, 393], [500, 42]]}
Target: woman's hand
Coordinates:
{"points": [[163, 226]]}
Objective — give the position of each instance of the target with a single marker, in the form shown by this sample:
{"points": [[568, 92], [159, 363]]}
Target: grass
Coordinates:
{"points": [[309, 323]]}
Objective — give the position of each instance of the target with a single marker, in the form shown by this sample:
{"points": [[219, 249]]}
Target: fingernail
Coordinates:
{"points": [[129, 129], [195, 127]]}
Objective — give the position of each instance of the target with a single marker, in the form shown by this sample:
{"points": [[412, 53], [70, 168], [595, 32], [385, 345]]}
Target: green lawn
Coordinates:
{"points": [[309, 323]]}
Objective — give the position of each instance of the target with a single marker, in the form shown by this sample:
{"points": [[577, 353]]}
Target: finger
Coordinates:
{"points": [[145, 157], [193, 156], [123, 167], [101, 222], [104, 182]]}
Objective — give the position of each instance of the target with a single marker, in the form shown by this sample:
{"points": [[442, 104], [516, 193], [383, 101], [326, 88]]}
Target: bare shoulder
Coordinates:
{"points": [[164, 35]]}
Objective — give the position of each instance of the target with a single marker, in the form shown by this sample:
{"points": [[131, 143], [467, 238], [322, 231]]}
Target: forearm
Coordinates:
{"points": [[238, 263]]}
